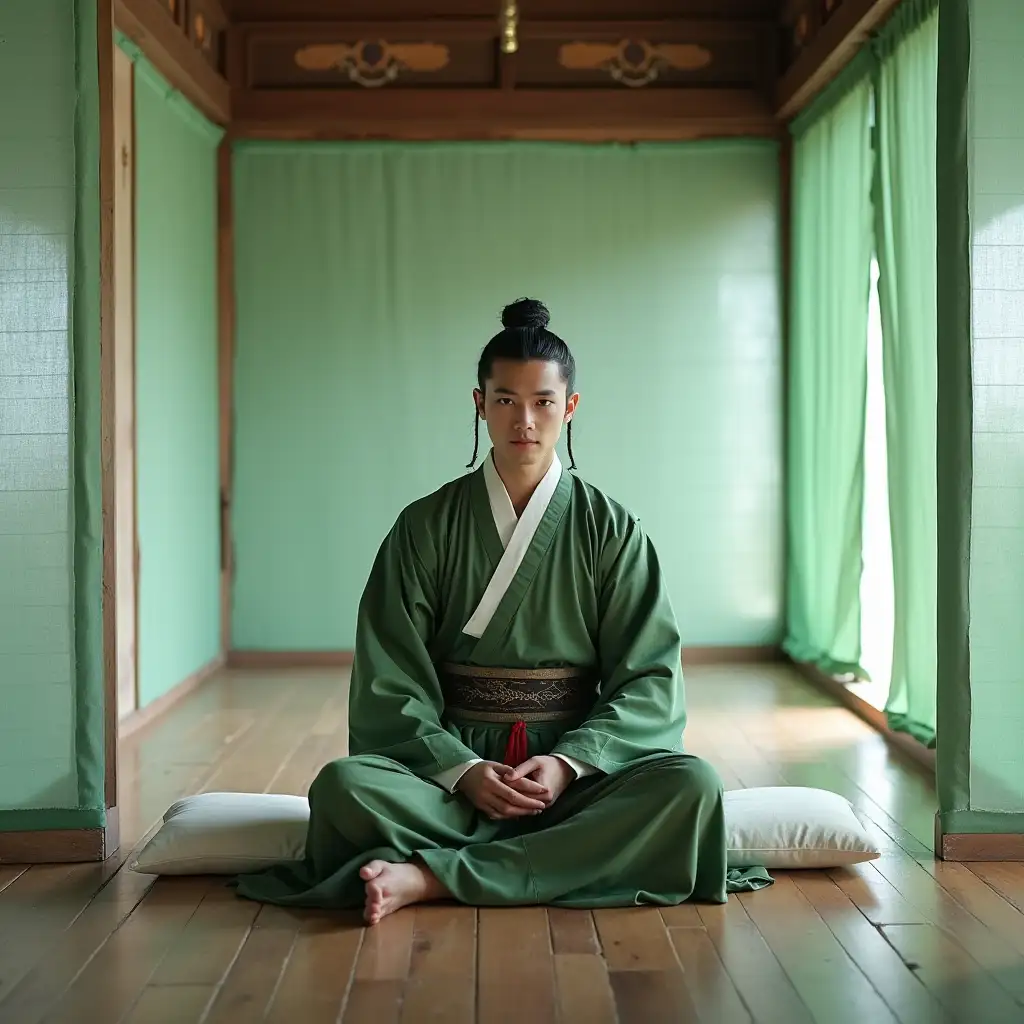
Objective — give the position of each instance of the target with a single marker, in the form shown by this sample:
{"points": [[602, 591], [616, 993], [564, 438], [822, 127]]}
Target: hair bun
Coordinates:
{"points": [[525, 313]]}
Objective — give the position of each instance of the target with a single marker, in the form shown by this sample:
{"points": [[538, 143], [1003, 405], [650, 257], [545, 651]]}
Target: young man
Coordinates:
{"points": [[516, 709]]}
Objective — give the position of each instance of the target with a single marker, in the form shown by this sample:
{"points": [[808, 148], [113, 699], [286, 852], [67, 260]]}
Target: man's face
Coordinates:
{"points": [[525, 405]]}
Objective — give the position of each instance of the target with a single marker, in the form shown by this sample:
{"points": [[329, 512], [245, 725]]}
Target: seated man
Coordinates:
{"points": [[516, 710]]}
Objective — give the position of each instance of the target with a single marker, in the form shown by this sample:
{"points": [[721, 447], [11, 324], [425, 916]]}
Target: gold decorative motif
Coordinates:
{"points": [[199, 24], [633, 62], [372, 63], [801, 29], [510, 27]]}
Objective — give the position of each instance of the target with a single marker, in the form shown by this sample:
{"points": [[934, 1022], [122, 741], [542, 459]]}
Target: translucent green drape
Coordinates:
{"points": [[905, 209], [830, 281]]}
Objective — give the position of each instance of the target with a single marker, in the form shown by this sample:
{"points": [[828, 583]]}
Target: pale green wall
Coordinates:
{"points": [[997, 295], [369, 277], [176, 386], [37, 205]]}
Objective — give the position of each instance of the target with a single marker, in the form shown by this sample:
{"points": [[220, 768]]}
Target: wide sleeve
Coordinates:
{"points": [[641, 708], [395, 700]]}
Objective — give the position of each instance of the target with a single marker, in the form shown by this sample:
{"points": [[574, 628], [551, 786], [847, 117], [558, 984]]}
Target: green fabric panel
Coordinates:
{"points": [[47, 755], [176, 386], [905, 20], [87, 514], [851, 79], [981, 822], [52, 819], [357, 345], [830, 282], [996, 159], [954, 450], [905, 210]]}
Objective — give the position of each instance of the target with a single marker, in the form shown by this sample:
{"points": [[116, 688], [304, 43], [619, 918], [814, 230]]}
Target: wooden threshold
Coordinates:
{"points": [[916, 751], [289, 659], [143, 716], [62, 846], [693, 656]]}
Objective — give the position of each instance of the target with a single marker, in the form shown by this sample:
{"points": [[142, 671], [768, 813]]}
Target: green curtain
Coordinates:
{"points": [[830, 282], [905, 210]]}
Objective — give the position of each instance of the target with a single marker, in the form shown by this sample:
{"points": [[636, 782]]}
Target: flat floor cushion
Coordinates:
{"points": [[227, 833], [794, 827]]}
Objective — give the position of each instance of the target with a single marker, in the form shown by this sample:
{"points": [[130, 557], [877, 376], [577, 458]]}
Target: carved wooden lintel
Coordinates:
{"points": [[633, 62]]}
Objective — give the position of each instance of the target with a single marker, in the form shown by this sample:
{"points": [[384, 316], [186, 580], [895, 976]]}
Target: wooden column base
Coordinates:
{"points": [[978, 846], [62, 846]]}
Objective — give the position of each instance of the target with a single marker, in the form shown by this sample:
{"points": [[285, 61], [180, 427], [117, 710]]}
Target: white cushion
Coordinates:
{"points": [[794, 827], [229, 833], [226, 833]]}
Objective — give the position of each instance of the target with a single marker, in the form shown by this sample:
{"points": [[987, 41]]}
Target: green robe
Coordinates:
{"points": [[648, 827]]}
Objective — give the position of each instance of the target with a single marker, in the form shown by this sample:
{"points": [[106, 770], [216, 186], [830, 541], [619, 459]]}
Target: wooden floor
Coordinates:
{"points": [[902, 939]]}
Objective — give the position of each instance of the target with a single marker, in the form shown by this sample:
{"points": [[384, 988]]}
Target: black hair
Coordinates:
{"points": [[525, 336]]}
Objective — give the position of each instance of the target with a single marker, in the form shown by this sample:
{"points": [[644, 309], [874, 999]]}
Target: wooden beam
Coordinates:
{"points": [[589, 115], [148, 24], [831, 49]]}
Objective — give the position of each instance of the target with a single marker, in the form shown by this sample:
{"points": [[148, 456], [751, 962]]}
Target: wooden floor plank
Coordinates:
{"points": [[67, 955], [319, 971], [136, 949], [516, 980], [252, 980], [683, 916], [171, 1004], [374, 1001], [115, 977], [829, 982], [875, 896], [764, 986], [10, 873], [947, 970], [635, 940], [652, 997], [867, 947], [584, 991], [442, 973], [572, 931], [707, 981], [1005, 879], [209, 943]]}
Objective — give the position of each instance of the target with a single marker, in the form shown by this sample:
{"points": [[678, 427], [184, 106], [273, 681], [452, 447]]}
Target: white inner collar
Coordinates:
{"points": [[502, 509]]}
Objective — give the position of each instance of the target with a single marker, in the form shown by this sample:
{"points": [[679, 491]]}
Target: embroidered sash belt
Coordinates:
{"points": [[509, 695]]}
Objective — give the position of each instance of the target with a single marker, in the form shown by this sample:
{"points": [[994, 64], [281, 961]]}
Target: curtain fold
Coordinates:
{"points": [[830, 282], [905, 210]]}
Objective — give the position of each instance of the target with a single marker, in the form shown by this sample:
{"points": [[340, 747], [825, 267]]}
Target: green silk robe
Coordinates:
{"points": [[646, 827]]}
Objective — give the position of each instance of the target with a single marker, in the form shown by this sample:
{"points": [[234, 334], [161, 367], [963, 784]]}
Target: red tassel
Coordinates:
{"points": [[515, 750]]}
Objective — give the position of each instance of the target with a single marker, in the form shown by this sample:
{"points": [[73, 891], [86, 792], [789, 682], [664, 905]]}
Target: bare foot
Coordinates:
{"points": [[389, 887]]}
